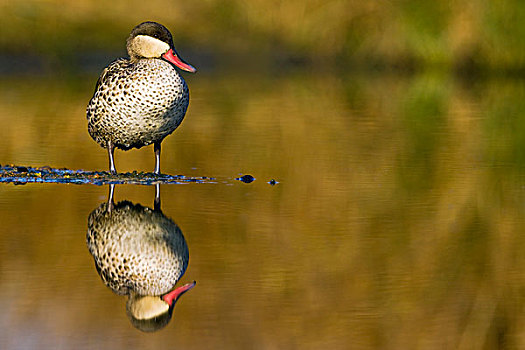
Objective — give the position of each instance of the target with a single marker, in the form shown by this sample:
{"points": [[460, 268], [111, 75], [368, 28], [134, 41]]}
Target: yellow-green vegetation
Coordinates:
{"points": [[452, 34]]}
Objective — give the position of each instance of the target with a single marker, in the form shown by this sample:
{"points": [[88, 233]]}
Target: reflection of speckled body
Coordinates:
{"points": [[136, 249], [136, 103]]}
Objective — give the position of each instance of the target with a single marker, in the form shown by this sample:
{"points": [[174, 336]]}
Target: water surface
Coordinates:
{"points": [[397, 221]]}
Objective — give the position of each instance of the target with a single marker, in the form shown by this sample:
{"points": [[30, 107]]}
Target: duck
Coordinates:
{"points": [[139, 253], [141, 99]]}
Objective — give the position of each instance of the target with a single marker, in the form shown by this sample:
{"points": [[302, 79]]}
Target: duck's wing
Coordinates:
{"points": [[113, 68]]}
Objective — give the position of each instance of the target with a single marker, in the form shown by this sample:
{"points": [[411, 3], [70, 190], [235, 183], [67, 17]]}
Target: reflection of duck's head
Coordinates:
{"points": [[141, 253], [151, 313]]}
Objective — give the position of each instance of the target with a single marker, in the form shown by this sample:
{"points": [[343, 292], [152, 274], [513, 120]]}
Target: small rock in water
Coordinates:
{"points": [[246, 178], [273, 182], [21, 169]]}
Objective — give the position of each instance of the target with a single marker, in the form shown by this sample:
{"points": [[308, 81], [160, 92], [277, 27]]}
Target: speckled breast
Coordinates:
{"points": [[136, 249], [137, 103]]}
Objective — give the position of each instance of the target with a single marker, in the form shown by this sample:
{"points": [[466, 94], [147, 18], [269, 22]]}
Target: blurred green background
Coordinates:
{"points": [[461, 35], [396, 130]]}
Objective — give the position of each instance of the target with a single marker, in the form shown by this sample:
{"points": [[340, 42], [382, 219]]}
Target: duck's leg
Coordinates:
{"points": [[156, 148], [111, 151], [156, 203], [110, 197]]}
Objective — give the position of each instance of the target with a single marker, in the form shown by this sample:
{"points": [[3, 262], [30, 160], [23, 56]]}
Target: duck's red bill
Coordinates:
{"points": [[172, 296], [172, 57]]}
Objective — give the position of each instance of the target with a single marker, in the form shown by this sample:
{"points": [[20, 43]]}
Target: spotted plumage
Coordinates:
{"points": [[137, 104], [141, 99], [136, 250]]}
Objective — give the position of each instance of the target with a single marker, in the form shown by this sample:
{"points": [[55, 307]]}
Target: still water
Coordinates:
{"points": [[397, 220]]}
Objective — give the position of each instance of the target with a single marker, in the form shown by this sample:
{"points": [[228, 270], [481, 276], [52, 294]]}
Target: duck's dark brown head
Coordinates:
{"points": [[153, 40]]}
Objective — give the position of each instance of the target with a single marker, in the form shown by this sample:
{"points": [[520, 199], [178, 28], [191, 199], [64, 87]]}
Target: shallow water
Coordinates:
{"points": [[397, 220]]}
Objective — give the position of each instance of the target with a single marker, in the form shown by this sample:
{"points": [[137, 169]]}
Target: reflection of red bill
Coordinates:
{"points": [[172, 296], [172, 57]]}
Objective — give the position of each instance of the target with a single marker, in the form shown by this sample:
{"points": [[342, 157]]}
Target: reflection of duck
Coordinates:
{"points": [[140, 100], [141, 253]]}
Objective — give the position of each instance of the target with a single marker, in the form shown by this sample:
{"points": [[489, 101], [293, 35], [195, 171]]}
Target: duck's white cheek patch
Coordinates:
{"points": [[148, 307], [148, 46]]}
